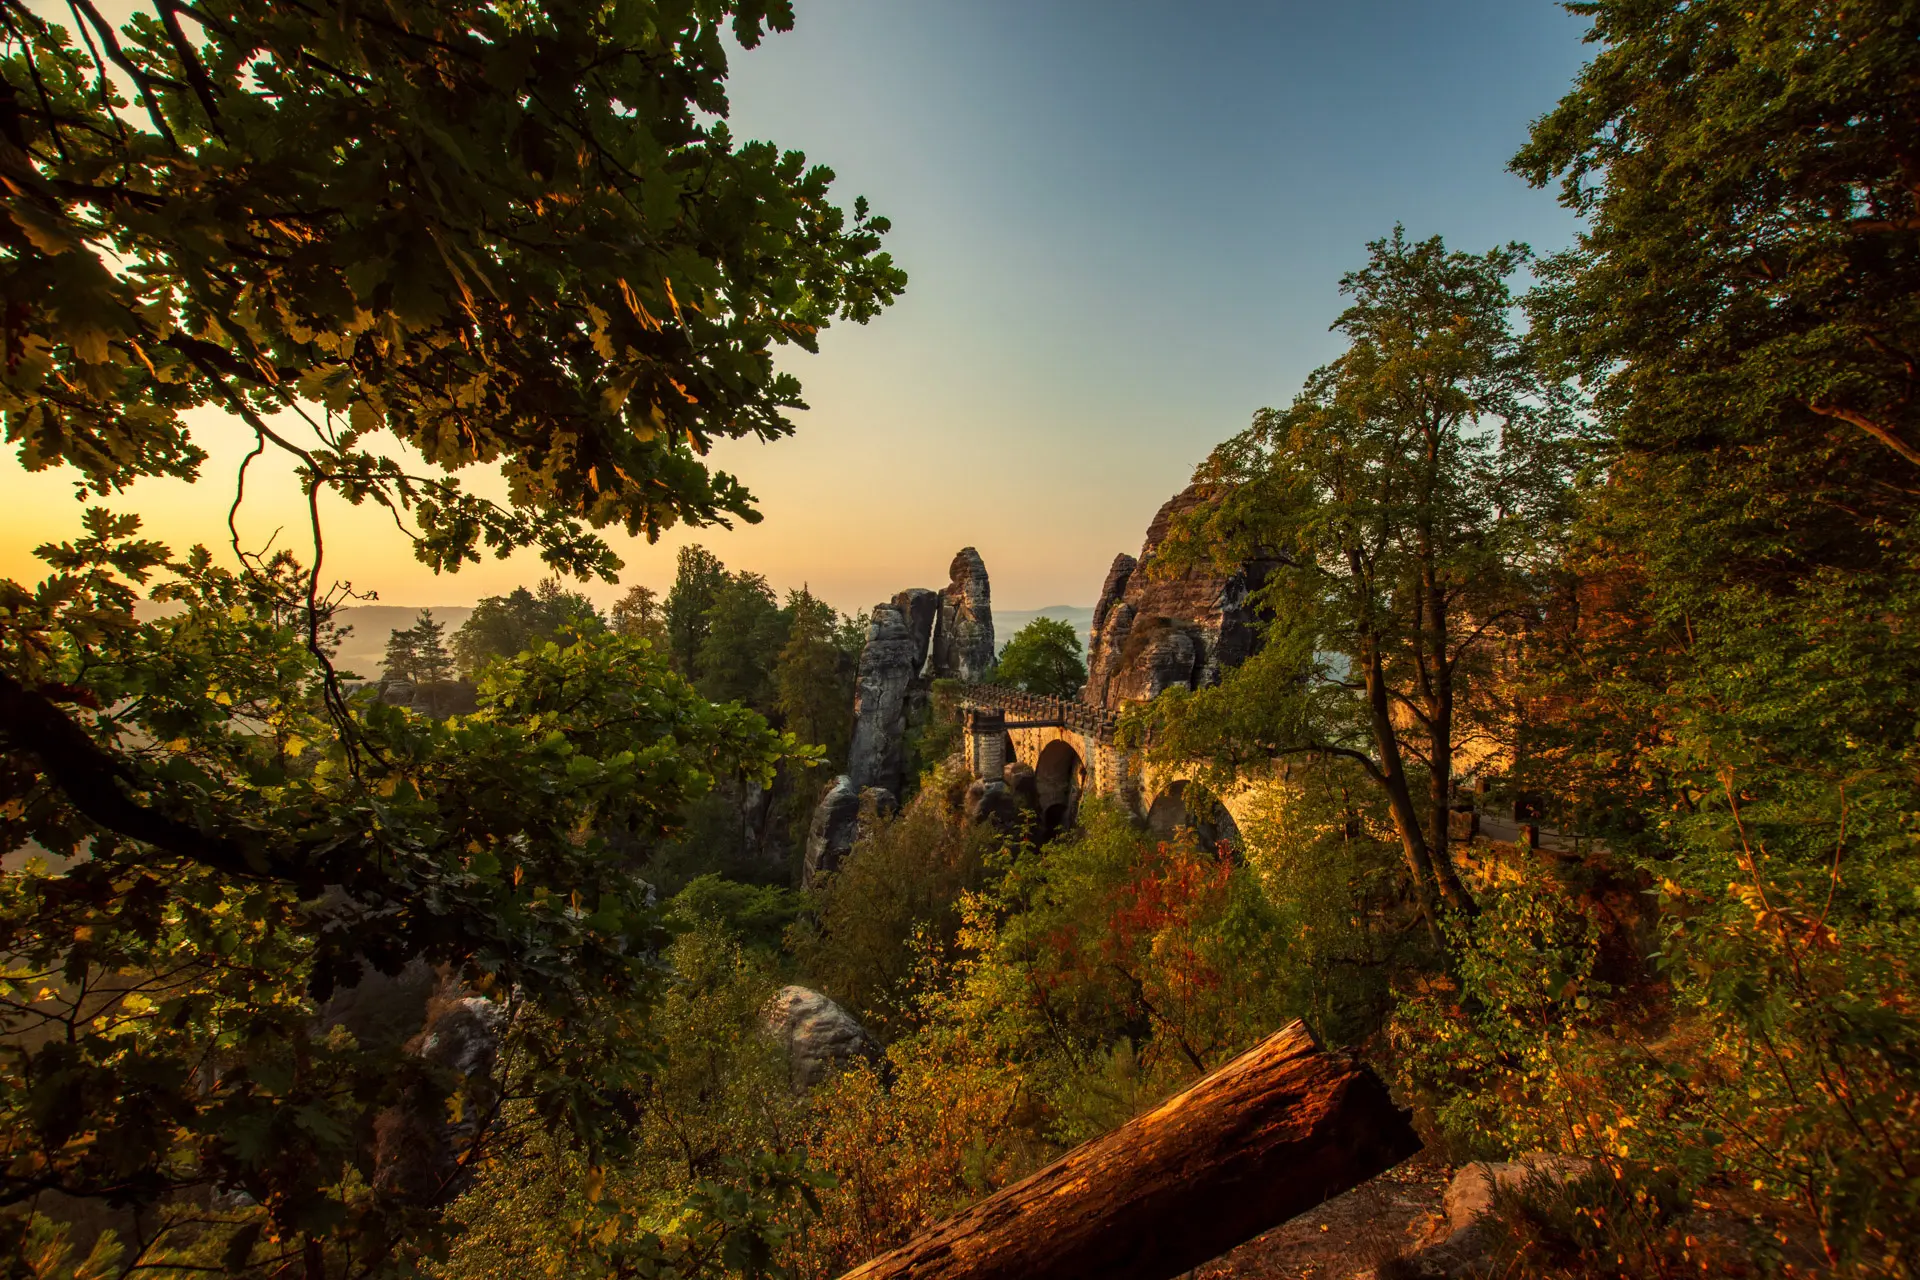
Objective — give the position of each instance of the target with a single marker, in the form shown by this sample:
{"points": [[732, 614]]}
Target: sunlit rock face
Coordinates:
{"points": [[963, 643], [921, 609], [1154, 631], [917, 637]]}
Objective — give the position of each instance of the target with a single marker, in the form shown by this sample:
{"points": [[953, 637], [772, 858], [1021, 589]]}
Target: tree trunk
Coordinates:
{"points": [[1393, 780], [1440, 757], [1278, 1130]]}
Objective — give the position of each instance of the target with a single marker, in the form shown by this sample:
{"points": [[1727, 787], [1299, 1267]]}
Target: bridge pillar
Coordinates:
{"points": [[987, 742]]}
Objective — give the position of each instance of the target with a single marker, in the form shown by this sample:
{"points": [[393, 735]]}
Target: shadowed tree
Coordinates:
{"points": [[505, 234], [1412, 494]]}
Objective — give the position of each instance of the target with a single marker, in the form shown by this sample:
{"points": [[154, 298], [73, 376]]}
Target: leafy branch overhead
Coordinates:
{"points": [[512, 235]]}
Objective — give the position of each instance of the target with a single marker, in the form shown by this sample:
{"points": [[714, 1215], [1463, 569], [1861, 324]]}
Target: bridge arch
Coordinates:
{"points": [[1059, 775], [1210, 820]]}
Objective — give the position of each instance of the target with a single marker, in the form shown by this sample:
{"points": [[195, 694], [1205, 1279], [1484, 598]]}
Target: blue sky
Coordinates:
{"points": [[1125, 225]]}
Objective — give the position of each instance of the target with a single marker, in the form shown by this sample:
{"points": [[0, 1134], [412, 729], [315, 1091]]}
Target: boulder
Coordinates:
{"points": [[1457, 1245], [888, 666], [992, 802], [836, 823], [1470, 1194], [1025, 785], [819, 1036], [963, 647]]}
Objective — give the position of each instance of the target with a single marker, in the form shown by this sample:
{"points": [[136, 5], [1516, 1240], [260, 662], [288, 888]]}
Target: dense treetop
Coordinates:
{"points": [[511, 234]]}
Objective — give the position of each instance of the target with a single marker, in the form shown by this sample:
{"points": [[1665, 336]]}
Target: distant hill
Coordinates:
{"points": [[1008, 621], [373, 623]]}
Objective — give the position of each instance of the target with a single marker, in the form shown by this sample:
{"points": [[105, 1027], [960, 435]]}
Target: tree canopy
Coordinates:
{"points": [[1405, 497], [508, 234], [1044, 657], [502, 626], [389, 243]]}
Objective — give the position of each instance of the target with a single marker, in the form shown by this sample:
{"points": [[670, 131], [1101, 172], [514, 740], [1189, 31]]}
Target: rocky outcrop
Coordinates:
{"points": [[836, 821], [913, 639], [1155, 630], [921, 609], [1454, 1247], [963, 646], [992, 801], [418, 1143], [888, 667], [819, 1036]]}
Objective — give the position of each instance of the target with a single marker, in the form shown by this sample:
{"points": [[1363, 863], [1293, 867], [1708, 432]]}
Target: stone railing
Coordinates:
{"points": [[1021, 705]]}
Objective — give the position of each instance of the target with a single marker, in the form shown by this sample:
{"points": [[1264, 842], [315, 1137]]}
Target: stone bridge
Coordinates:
{"points": [[1151, 631], [1069, 744]]}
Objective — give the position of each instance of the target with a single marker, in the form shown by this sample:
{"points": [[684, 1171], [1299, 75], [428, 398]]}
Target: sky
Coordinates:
{"points": [[1124, 224]]}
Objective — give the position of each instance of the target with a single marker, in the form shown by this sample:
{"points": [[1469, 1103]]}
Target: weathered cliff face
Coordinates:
{"points": [[889, 664], [921, 608], [915, 638], [963, 644], [1151, 633]]}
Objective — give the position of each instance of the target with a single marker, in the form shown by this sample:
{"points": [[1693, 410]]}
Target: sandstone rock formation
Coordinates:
{"points": [[921, 609], [963, 647], [819, 1036], [915, 638], [1151, 633], [836, 821], [992, 801], [888, 666]]}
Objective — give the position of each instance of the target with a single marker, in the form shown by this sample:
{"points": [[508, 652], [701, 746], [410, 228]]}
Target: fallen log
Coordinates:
{"points": [[1280, 1129]]}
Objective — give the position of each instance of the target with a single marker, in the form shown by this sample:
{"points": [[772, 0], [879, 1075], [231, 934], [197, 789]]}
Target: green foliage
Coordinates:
{"points": [[758, 915], [745, 631], [639, 615], [1750, 273], [588, 292], [1114, 967], [1044, 657], [1325, 856], [813, 679], [504, 626], [1616, 1222], [933, 734], [710, 1182], [277, 859], [899, 886], [1498, 1052], [1406, 503], [584, 289], [1733, 675], [696, 584]]}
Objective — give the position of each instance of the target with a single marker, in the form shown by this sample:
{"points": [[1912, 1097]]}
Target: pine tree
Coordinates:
{"points": [[639, 615], [697, 580], [745, 629], [813, 681], [402, 660], [432, 662]]}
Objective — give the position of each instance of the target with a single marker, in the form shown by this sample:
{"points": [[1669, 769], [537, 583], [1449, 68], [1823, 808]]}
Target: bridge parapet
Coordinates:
{"points": [[1018, 704]]}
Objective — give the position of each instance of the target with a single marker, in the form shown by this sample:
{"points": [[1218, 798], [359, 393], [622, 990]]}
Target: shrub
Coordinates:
{"points": [[1614, 1223], [904, 875]]}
